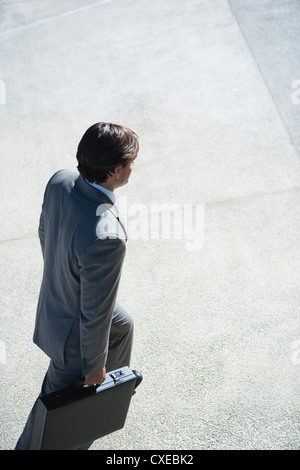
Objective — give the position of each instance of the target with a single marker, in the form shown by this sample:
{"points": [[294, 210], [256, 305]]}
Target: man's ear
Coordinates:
{"points": [[117, 171]]}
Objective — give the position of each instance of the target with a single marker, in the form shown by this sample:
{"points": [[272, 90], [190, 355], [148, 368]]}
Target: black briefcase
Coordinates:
{"points": [[69, 418]]}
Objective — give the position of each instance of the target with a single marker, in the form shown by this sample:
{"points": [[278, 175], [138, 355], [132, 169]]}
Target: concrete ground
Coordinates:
{"points": [[211, 87]]}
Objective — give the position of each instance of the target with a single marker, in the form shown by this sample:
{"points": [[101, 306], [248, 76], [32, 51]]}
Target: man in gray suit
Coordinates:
{"points": [[79, 324]]}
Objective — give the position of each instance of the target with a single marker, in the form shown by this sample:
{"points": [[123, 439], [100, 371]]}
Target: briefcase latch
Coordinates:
{"points": [[116, 376]]}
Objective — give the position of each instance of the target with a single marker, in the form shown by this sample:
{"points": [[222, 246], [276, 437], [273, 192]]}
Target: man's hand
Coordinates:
{"points": [[96, 378]]}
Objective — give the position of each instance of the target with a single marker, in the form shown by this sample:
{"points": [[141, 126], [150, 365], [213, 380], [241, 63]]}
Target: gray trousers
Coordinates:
{"points": [[60, 376]]}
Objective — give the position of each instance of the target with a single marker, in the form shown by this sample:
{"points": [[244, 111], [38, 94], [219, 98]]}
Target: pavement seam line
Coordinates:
{"points": [[264, 80], [54, 17]]}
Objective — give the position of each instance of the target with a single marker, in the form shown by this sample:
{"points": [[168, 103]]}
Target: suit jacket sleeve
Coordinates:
{"points": [[41, 232], [100, 270]]}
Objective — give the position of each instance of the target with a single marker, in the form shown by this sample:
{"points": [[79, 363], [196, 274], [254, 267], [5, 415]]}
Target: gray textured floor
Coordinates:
{"points": [[208, 86]]}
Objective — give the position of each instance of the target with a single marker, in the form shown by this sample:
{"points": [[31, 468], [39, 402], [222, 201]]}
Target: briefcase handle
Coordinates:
{"points": [[79, 383]]}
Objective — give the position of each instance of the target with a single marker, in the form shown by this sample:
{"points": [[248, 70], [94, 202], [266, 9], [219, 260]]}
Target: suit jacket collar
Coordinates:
{"points": [[97, 197], [106, 191], [91, 193]]}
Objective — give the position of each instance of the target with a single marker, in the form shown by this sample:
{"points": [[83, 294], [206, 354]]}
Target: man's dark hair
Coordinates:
{"points": [[103, 147]]}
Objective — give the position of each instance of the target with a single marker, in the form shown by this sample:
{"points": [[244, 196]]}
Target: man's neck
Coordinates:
{"points": [[108, 186]]}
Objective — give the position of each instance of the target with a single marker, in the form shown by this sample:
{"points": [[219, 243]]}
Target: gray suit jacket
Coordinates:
{"points": [[83, 245]]}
